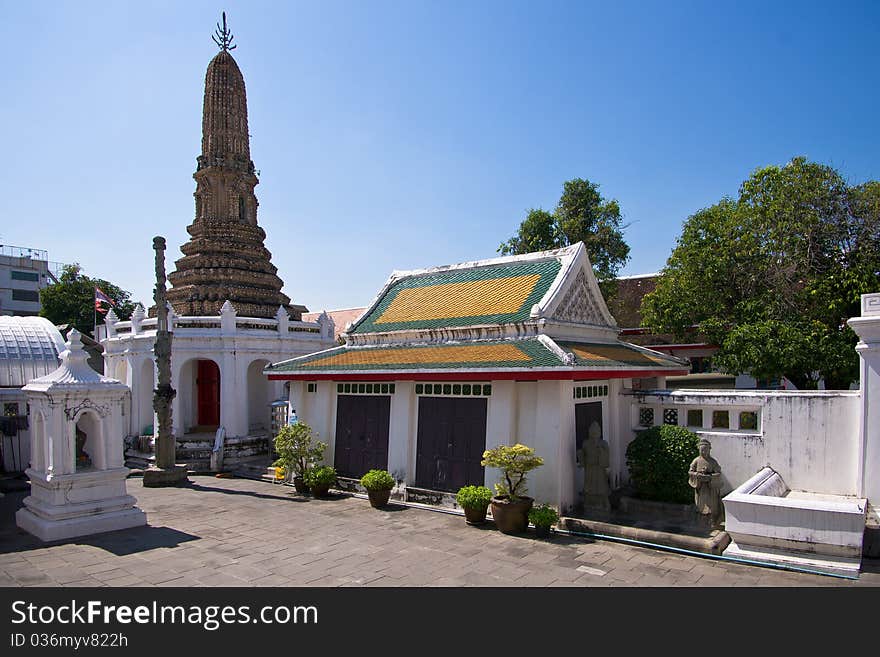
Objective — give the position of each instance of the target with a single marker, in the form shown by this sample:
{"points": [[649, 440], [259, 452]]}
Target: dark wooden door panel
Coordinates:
{"points": [[362, 425], [451, 441]]}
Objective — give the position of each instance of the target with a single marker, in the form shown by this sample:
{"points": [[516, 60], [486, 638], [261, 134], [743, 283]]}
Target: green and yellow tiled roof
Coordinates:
{"points": [[523, 353], [594, 354], [497, 354], [492, 294]]}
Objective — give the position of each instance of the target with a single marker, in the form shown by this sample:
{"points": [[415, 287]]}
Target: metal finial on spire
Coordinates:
{"points": [[223, 37]]}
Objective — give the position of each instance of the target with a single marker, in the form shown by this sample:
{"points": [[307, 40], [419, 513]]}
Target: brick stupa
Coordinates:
{"points": [[225, 259]]}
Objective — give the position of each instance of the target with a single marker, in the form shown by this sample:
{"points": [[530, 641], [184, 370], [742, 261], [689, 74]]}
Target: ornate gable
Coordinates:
{"points": [[579, 299]]}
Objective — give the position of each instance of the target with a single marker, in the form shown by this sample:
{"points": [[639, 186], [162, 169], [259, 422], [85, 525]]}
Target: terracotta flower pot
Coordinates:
{"points": [[475, 515], [379, 498], [511, 517]]}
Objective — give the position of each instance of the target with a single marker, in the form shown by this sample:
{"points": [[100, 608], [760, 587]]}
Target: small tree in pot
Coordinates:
{"points": [[510, 506], [297, 453], [474, 500], [378, 484]]}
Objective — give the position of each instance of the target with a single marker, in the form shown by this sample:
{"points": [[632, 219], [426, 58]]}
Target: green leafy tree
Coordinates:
{"points": [[72, 300], [773, 275], [582, 215]]}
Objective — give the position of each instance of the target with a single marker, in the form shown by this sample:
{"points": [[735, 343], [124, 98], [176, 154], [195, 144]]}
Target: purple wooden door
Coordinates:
{"points": [[361, 434], [451, 442]]}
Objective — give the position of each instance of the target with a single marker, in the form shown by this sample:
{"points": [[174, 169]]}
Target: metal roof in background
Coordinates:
{"points": [[29, 348]]}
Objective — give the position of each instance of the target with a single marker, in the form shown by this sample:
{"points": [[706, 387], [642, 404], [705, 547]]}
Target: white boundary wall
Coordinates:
{"points": [[810, 438]]}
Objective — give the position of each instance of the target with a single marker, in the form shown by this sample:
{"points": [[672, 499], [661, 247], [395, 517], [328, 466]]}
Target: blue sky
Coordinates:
{"points": [[399, 135]]}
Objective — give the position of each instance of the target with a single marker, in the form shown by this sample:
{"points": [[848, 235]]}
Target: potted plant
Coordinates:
{"points": [[378, 484], [510, 506], [474, 500], [298, 453], [542, 517], [320, 479]]}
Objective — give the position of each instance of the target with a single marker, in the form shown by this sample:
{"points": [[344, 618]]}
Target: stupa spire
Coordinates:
{"points": [[226, 259], [225, 138], [223, 37]]}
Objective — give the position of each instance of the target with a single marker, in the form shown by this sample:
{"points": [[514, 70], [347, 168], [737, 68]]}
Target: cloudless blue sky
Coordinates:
{"points": [[404, 134]]}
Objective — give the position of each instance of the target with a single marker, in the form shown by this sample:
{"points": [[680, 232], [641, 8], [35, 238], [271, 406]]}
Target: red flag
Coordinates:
{"points": [[100, 298]]}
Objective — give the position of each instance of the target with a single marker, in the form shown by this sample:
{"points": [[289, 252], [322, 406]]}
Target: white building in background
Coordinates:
{"points": [[23, 273]]}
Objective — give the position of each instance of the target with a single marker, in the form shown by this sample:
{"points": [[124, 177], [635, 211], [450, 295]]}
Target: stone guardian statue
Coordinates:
{"points": [[595, 457], [704, 476]]}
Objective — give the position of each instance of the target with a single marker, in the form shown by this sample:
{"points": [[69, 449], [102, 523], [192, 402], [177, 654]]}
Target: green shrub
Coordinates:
{"points": [[658, 461], [297, 453], [543, 515], [378, 480], [513, 461], [473, 497], [326, 474]]}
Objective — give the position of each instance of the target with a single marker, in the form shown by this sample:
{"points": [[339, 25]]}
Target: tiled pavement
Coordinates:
{"points": [[237, 532]]}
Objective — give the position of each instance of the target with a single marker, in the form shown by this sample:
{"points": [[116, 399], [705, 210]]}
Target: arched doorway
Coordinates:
{"points": [[259, 397], [87, 445], [207, 394]]}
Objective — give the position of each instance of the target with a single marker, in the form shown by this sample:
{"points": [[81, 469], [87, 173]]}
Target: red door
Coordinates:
{"points": [[208, 384]]}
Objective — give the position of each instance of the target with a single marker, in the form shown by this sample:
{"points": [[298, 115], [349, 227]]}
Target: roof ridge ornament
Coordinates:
{"points": [[223, 36]]}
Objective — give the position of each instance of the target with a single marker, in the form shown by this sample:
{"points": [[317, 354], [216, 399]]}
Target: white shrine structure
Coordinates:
{"points": [[77, 473], [217, 367]]}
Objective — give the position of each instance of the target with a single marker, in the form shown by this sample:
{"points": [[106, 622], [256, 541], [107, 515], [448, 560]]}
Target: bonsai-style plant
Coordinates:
{"points": [[542, 517], [298, 453], [320, 479], [510, 506], [658, 461], [474, 500], [378, 484]]}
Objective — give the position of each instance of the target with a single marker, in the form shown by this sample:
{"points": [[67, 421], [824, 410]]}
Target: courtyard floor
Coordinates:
{"points": [[238, 532]]}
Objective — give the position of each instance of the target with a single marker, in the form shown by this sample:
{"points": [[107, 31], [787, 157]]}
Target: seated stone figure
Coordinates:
{"points": [[704, 476]]}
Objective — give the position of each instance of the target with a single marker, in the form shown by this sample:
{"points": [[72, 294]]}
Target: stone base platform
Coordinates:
{"points": [[59, 530], [156, 477], [832, 565]]}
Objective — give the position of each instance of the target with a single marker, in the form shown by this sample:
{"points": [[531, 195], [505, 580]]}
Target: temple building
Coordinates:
{"points": [[228, 315], [450, 361]]}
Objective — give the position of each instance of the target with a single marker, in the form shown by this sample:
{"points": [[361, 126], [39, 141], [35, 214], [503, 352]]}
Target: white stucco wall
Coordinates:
{"points": [[538, 414], [402, 425], [809, 438]]}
